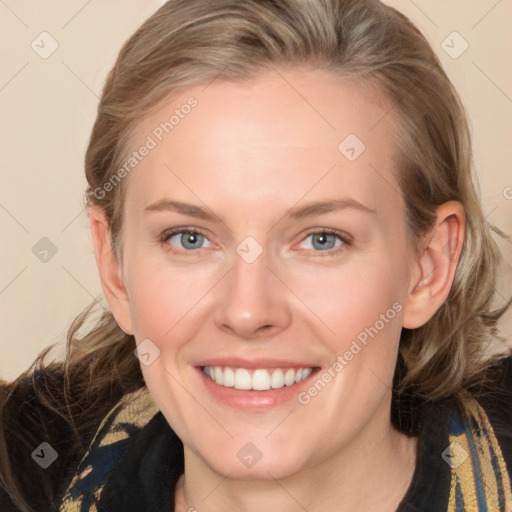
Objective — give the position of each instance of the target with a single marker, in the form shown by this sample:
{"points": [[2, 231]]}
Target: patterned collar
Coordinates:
{"points": [[135, 460]]}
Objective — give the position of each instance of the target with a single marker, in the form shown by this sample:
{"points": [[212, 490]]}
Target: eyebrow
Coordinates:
{"points": [[297, 212]]}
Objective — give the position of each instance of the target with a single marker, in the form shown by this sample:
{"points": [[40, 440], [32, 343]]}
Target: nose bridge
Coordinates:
{"points": [[252, 297], [250, 280]]}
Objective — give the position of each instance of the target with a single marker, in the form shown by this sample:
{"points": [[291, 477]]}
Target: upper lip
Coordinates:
{"points": [[260, 362]]}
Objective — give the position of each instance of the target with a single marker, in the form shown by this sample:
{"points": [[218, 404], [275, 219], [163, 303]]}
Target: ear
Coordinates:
{"points": [[436, 266], [109, 269]]}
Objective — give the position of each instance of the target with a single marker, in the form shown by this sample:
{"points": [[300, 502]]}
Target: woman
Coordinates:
{"points": [[288, 235]]}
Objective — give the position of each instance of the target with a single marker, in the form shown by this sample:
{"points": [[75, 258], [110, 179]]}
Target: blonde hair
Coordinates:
{"points": [[188, 42]]}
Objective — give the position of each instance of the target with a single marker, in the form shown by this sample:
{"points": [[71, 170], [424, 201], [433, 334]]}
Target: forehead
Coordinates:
{"points": [[299, 131]]}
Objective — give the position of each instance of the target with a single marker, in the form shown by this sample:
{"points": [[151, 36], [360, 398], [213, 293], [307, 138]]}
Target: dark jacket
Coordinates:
{"points": [[131, 460]]}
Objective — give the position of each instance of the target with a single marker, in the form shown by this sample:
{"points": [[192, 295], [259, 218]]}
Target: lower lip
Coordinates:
{"points": [[252, 399]]}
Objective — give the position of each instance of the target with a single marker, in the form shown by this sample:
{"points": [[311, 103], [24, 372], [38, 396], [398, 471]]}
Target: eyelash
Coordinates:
{"points": [[345, 239]]}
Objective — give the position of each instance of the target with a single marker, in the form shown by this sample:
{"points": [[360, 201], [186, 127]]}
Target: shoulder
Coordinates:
{"points": [[497, 404], [34, 439], [460, 460], [116, 442], [480, 450], [41, 439]]}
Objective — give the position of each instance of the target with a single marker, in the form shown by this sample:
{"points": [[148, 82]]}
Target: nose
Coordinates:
{"points": [[253, 301]]}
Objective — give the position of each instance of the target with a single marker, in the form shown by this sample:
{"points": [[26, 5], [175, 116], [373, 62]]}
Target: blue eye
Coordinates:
{"points": [[189, 239], [326, 240], [182, 240]]}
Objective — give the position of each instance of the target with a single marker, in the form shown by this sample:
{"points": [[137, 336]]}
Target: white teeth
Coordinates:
{"points": [[218, 376], [306, 372], [259, 380], [289, 377], [229, 378], [277, 379], [242, 379]]}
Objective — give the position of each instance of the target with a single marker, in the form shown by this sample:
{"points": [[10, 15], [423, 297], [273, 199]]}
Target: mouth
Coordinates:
{"points": [[259, 379], [251, 387]]}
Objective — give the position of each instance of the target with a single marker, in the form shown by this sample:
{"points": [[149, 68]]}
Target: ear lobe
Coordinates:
{"points": [[436, 266], [109, 269]]}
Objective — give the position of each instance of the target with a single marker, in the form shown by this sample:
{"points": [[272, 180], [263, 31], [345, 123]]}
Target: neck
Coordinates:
{"points": [[370, 474]]}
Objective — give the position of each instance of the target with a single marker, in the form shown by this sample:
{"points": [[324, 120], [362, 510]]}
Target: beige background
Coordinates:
{"points": [[48, 107]]}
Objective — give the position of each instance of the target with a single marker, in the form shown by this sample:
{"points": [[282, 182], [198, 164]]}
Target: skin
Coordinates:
{"points": [[249, 152]]}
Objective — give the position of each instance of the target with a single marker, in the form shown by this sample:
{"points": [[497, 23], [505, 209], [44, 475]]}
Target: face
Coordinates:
{"points": [[266, 260]]}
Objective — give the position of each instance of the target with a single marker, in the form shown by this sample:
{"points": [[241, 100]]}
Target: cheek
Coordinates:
{"points": [[348, 299], [161, 293], [160, 300]]}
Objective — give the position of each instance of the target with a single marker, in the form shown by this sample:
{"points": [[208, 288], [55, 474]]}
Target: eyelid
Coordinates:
{"points": [[168, 233], [345, 238], [165, 235]]}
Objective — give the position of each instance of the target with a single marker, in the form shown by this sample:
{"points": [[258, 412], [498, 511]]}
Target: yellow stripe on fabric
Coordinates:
{"points": [[464, 475], [136, 409]]}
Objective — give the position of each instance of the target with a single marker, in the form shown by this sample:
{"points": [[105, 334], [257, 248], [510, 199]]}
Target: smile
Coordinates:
{"points": [[259, 379]]}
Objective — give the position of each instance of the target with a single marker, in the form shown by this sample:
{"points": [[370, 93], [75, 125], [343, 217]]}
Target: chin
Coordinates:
{"points": [[244, 460]]}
